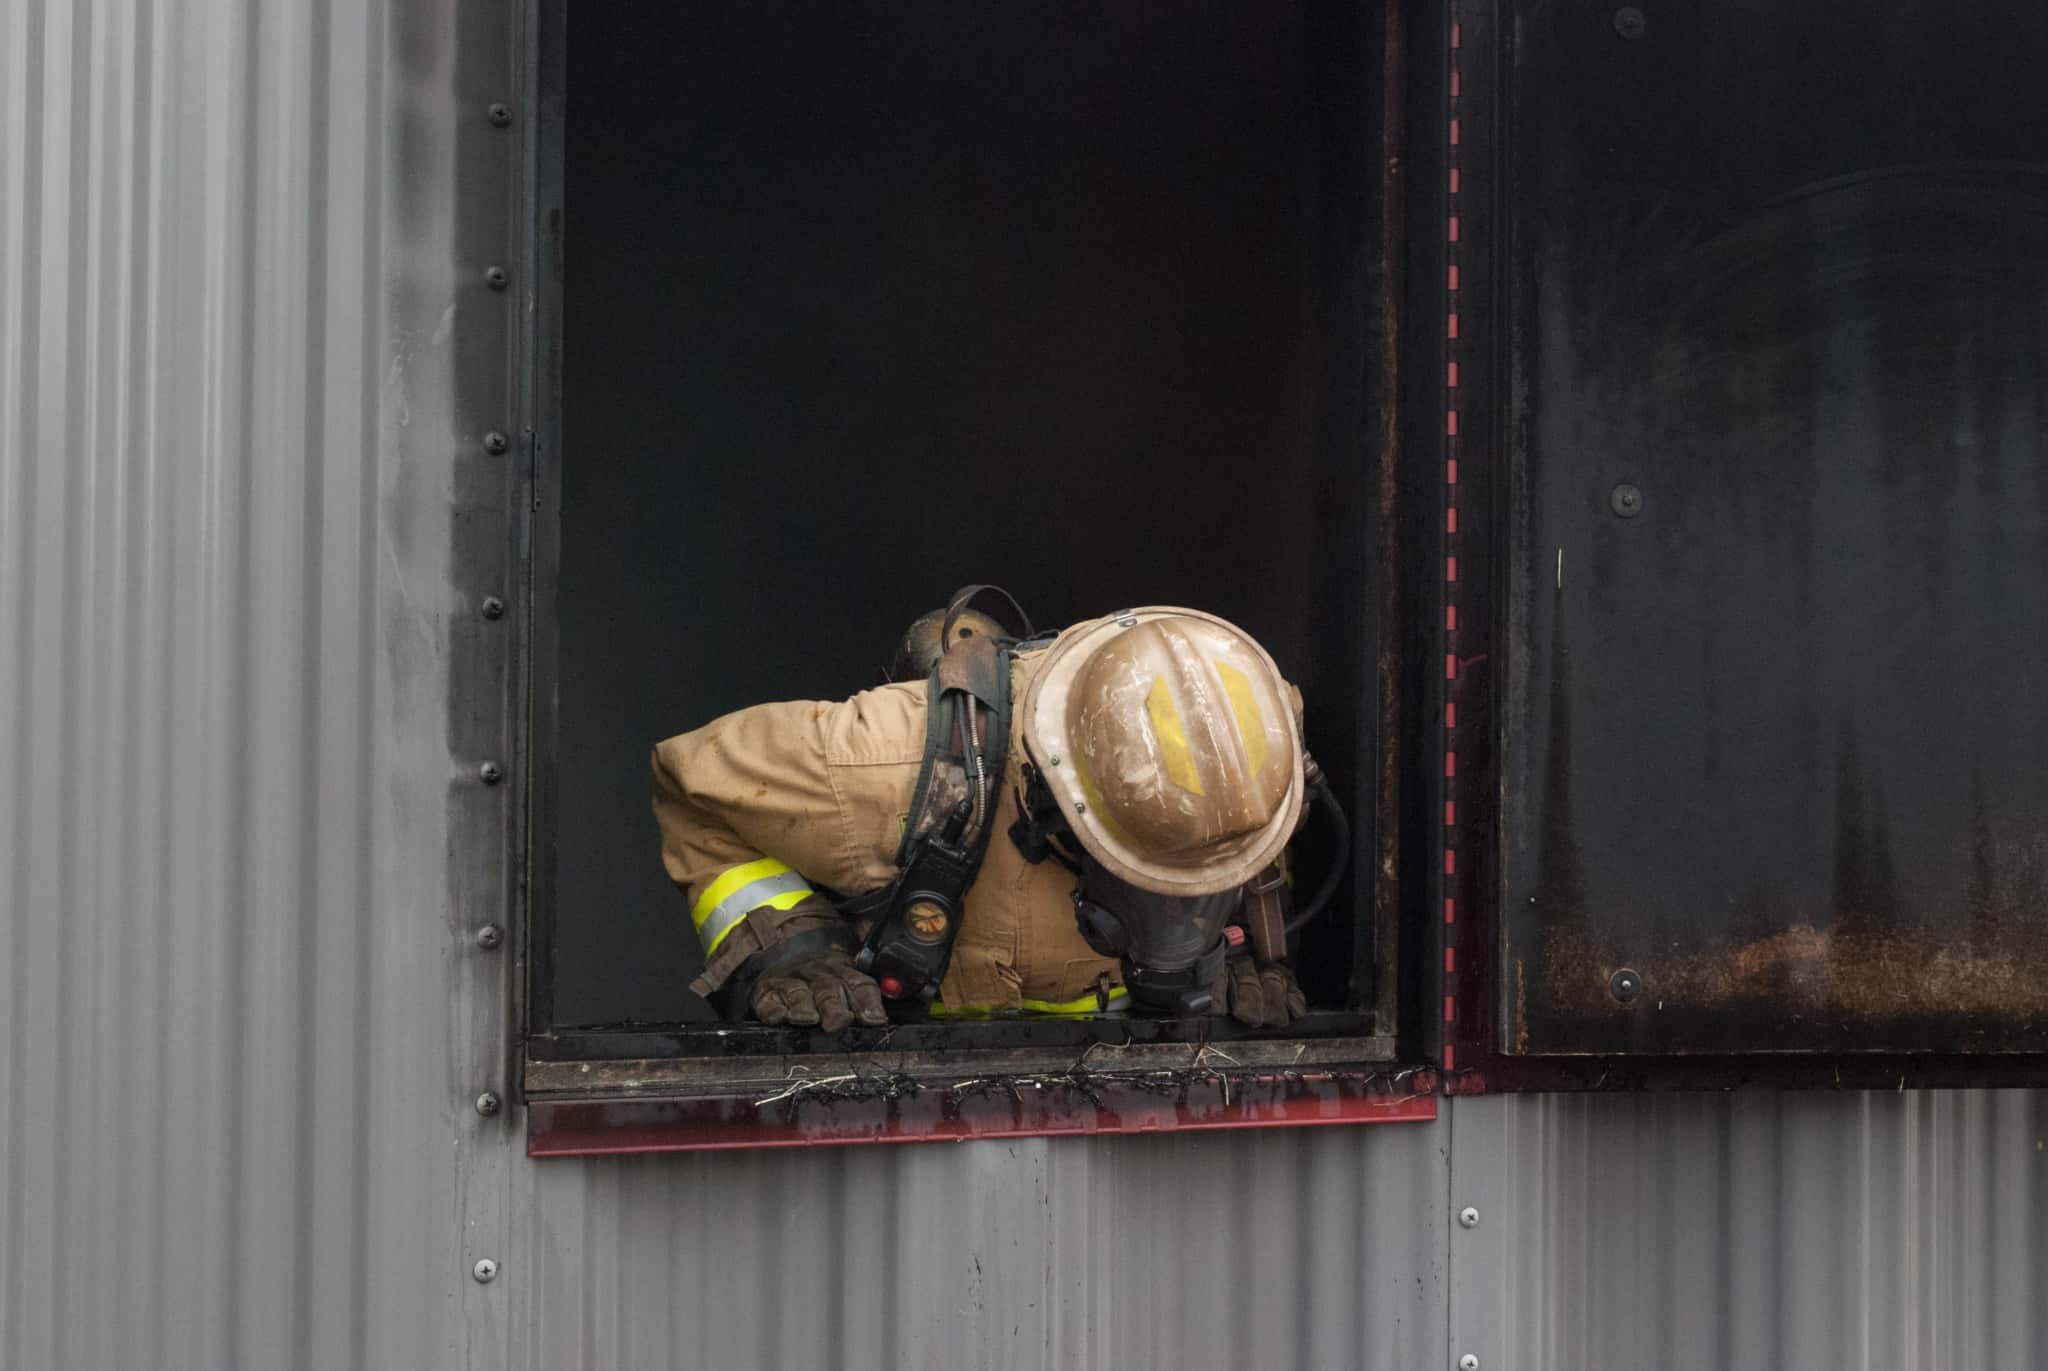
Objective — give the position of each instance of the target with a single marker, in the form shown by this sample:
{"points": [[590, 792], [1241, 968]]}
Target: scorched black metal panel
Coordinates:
{"points": [[1775, 751]]}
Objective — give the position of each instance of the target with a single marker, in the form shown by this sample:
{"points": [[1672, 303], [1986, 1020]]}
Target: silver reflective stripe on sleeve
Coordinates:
{"points": [[741, 890]]}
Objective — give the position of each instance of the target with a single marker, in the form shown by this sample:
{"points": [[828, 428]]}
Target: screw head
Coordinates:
{"points": [[485, 1271], [500, 115], [489, 937], [1626, 500], [496, 443], [1630, 22], [1469, 1362], [489, 1103], [493, 607], [491, 772], [1625, 985], [1468, 1217], [497, 278]]}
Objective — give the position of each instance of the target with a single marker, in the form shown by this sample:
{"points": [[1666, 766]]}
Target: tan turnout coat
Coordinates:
{"points": [[826, 788]]}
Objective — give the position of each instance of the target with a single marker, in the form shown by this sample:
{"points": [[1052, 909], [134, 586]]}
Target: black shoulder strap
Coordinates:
{"points": [[967, 740], [952, 815]]}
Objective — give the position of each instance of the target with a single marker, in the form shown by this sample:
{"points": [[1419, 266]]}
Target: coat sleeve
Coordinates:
{"points": [[748, 821], [761, 810]]}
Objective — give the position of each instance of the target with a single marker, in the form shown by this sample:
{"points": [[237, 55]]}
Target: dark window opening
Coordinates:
{"points": [[862, 303]]}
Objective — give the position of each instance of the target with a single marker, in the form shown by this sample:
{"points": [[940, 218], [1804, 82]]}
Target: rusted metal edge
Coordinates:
{"points": [[761, 1075], [878, 1107]]}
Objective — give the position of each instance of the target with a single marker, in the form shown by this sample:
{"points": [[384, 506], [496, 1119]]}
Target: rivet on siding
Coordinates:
{"points": [[496, 277], [488, 1103], [489, 937], [1468, 1217], [491, 772], [1626, 501], [486, 1271], [497, 444], [1631, 22], [1625, 985], [1469, 1362], [501, 116], [494, 608]]}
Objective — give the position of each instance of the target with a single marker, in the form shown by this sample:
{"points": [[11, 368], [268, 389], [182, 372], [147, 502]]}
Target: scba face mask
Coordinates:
{"points": [[1172, 947]]}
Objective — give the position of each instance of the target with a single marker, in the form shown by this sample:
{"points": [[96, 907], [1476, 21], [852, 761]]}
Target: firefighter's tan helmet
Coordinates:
{"points": [[1169, 739]]}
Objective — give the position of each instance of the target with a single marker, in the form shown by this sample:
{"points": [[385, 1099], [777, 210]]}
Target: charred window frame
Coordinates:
{"points": [[643, 1087]]}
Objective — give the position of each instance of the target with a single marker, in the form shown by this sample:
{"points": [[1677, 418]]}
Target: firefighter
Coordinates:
{"points": [[925, 842]]}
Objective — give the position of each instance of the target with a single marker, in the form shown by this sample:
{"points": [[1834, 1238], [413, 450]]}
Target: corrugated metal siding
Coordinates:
{"points": [[228, 1123], [244, 369], [1885, 1232], [1303, 1248]]}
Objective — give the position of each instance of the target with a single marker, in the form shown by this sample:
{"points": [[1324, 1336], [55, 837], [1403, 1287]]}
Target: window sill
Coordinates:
{"points": [[584, 1108]]}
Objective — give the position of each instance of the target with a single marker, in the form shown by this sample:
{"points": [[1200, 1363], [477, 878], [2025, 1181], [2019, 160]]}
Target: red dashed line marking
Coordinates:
{"points": [[1452, 236]]}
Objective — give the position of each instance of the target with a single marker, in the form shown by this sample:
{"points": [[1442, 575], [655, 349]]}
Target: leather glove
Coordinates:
{"points": [[1258, 994], [825, 990]]}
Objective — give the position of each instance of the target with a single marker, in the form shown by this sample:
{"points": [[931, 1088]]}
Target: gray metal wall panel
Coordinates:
{"points": [[232, 1128], [1891, 1232], [1312, 1248]]}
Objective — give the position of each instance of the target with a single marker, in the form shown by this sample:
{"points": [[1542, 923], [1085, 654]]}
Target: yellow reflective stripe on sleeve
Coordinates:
{"points": [[766, 883], [1078, 1007]]}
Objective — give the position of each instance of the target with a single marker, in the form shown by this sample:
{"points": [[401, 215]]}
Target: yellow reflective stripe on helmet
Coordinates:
{"points": [[1173, 739], [1250, 727], [766, 883], [1095, 804], [1077, 1007]]}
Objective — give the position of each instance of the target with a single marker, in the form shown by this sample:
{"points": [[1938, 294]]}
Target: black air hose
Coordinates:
{"points": [[1319, 790]]}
